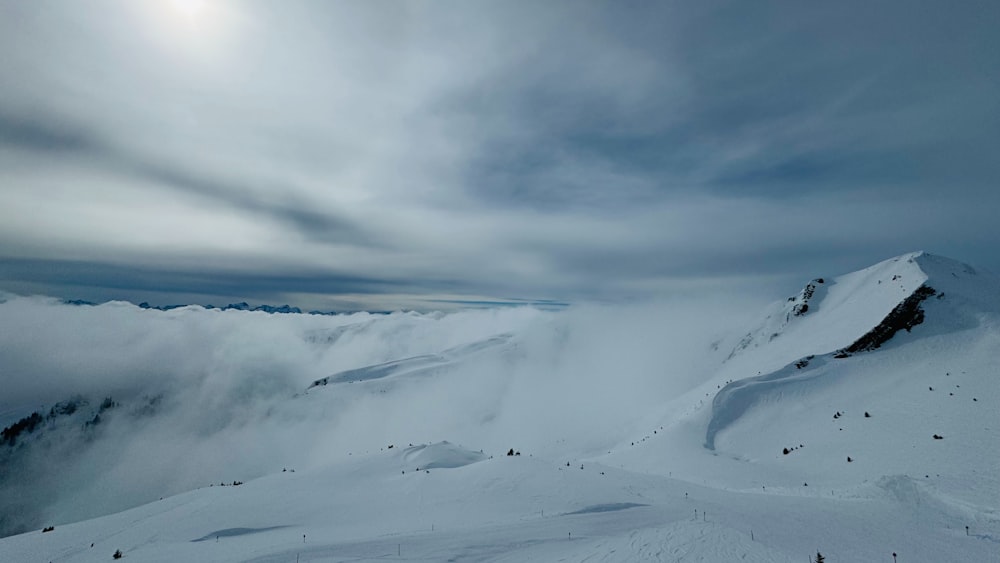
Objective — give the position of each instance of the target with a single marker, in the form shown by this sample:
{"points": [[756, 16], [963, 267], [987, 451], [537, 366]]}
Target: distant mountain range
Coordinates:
{"points": [[241, 306]]}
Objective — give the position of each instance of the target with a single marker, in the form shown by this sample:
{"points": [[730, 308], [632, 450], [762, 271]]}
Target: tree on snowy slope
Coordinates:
{"points": [[819, 558]]}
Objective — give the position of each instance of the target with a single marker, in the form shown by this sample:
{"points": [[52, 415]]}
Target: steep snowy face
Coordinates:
{"points": [[957, 294], [961, 284], [781, 315], [905, 395], [832, 314]]}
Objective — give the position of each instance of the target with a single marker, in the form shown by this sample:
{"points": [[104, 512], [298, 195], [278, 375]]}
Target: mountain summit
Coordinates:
{"points": [[894, 380], [861, 310]]}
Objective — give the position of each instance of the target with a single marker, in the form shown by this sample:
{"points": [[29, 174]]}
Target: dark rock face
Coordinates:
{"points": [[27, 424], [807, 293], [241, 306], [904, 316]]}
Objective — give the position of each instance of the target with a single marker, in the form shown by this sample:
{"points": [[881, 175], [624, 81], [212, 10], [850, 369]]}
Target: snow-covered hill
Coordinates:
{"points": [[858, 418], [956, 299]]}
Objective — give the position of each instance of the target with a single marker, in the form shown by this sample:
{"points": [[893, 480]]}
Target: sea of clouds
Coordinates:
{"points": [[208, 396]]}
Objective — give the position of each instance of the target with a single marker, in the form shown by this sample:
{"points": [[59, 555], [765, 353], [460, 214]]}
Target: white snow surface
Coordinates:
{"points": [[653, 433]]}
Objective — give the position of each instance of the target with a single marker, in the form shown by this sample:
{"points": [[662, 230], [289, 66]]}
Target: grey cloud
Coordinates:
{"points": [[29, 134], [201, 395], [60, 138], [772, 100], [325, 225], [872, 123], [205, 280]]}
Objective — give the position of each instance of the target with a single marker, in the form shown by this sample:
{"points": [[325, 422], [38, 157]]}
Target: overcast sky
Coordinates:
{"points": [[346, 155]]}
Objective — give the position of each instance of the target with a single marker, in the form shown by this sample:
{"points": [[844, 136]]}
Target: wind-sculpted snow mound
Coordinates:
{"points": [[736, 398], [442, 455]]}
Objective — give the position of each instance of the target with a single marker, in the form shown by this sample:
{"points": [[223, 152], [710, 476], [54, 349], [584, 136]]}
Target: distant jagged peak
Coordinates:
{"points": [[241, 306], [440, 455]]}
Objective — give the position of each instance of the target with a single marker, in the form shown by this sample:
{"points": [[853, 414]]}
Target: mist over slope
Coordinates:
{"points": [[202, 396], [874, 389]]}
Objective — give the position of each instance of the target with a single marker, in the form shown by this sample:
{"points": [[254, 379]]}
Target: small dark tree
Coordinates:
{"points": [[819, 558], [510, 452], [118, 554]]}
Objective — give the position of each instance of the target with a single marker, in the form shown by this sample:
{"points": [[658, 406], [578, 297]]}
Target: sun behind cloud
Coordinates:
{"points": [[191, 31], [188, 8]]}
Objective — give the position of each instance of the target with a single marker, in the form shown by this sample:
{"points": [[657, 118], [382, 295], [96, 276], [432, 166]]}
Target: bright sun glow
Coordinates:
{"points": [[195, 30], [189, 8]]}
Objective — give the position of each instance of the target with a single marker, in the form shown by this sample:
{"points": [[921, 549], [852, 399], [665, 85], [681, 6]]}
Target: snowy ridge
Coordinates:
{"points": [[421, 365], [837, 311], [781, 314], [924, 362], [443, 455], [869, 290]]}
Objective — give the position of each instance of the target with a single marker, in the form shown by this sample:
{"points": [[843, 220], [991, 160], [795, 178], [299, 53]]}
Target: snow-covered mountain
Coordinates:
{"points": [[858, 418]]}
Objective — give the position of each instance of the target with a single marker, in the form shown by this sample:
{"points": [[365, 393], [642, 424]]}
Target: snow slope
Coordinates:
{"points": [[961, 328], [635, 443], [504, 509], [839, 310]]}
